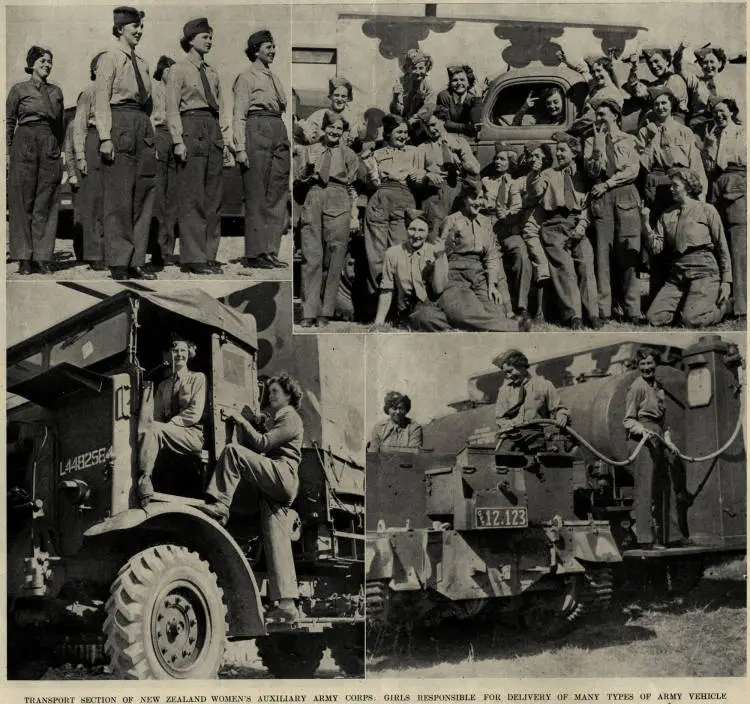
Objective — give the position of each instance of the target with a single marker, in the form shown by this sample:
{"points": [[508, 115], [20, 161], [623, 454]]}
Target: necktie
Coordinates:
{"points": [[666, 149], [569, 191], [174, 405], [417, 282], [207, 92], [44, 91], [143, 97], [324, 170], [502, 194], [447, 155], [514, 410], [721, 156], [610, 156]]}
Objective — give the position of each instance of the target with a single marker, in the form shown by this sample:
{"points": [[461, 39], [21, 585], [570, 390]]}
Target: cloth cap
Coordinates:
{"points": [[412, 214], [457, 68], [663, 90], [197, 26], [512, 355], [260, 37], [33, 55], [650, 51], [127, 15], [564, 138], [415, 56], [509, 149], [338, 82], [611, 103]]}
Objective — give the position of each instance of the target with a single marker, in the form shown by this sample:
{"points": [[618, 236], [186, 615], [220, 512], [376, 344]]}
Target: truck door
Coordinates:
{"points": [[234, 384]]}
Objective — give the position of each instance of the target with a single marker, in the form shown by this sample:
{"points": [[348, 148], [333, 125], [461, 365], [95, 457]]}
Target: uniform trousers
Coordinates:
{"points": [[384, 226], [657, 474], [324, 238], [692, 287], [658, 197], [164, 215], [128, 188], [265, 183], [571, 267], [34, 174], [420, 316], [466, 301], [199, 187], [617, 221], [729, 195], [439, 202], [88, 201], [157, 436], [516, 261], [276, 483]]}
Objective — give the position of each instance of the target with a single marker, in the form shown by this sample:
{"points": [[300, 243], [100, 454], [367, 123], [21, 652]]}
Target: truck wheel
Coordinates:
{"points": [[291, 656], [166, 617], [552, 614], [348, 649]]}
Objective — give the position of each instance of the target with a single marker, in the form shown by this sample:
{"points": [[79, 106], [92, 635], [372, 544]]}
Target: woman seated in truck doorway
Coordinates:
{"points": [[179, 405], [398, 431], [269, 462]]}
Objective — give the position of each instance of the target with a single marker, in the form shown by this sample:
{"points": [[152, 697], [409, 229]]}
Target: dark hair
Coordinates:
{"points": [[390, 123], [665, 53], [606, 62], [691, 180], [412, 214], [513, 358], [34, 54], [548, 92], [162, 65], [673, 99], [720, 54], [117, 28], [331, 118], [94, 63], [290, 386], [394, 399], [471, 79], [192, 347], [731, 103], [644, 353]]}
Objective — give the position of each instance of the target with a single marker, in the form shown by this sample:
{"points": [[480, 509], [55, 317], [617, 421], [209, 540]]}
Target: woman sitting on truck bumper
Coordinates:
{"points": [[269, 463]]}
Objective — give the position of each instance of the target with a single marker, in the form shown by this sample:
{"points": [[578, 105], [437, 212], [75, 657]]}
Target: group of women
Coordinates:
{"points": [[551, 231], [145, 155]]}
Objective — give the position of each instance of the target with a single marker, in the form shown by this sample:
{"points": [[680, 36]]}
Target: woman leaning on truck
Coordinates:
{"points": [[34, 133]]}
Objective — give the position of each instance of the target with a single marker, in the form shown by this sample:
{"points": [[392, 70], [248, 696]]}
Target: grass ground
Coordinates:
{"points": [[700, 635]]}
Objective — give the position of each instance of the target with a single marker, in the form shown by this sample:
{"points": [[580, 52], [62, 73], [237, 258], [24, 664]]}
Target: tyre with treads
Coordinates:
{"points": [[166, 617], [291, 655]]}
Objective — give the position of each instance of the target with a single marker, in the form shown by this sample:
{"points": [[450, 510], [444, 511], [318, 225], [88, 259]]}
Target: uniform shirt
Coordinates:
{"points": [[311, 129], [283, 439], [159, 98], [25, 105], [450, 150], [256, 89], [190, 401], [644, 402], [84, 118], [455, 111], [503, 191], [694, 224], [463, 235], [185, 92], [725, 148], [701, 89], [388, 435], [406, 270], [344, 163], [549, 194], [392, 164], [612, 158], [116, 84], [418, 99], [535, 398]]}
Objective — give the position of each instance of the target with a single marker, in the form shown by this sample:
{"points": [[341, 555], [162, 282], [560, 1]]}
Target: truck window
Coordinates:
{"points": [[510, 101]]}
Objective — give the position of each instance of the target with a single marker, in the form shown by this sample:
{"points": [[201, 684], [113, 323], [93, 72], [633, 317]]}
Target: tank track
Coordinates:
{"points": [[377, 604], [597, 591]]}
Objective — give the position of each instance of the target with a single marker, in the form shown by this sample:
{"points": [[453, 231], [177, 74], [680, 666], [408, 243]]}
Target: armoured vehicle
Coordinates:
{"points": [[463, 528], [159, 591]]}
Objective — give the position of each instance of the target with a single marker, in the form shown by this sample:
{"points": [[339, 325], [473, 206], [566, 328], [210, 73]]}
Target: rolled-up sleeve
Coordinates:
{"points": [[173, 93], [193, 413]]}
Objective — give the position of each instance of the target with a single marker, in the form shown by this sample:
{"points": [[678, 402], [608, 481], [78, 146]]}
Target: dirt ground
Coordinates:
{"points": [[699, 635]]}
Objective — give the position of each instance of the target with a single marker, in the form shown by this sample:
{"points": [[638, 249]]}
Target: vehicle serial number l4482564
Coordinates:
{"points": [[504, 517]]}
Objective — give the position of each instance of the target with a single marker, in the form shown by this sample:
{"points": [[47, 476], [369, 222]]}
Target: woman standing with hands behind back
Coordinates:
{"points": [[34, 132]]}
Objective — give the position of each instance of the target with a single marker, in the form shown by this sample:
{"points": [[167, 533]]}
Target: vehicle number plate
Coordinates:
{"points": [[506, 517]]}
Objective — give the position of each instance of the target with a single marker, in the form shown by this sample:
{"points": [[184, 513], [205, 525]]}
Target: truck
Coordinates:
{"points": [[464, 528], [158, 592]]}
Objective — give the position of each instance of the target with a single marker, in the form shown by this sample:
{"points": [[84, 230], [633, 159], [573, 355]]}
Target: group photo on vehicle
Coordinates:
{"points": [[486, 171], [154, 146], [556, 511], [185, 486]]}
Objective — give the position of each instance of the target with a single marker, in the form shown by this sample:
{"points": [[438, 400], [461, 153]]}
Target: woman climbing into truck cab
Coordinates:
{"points": [[269, 462]]}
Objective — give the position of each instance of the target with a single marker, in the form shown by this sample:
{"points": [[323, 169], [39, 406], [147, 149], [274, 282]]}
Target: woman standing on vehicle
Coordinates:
{"points": [[391, 169], [340, 94], [126, 144], [87, 210], [262, 151], [725, 157], [164, 213], [455, 105], [328, 169], [413, 96], [34, 134], [660, 64]]}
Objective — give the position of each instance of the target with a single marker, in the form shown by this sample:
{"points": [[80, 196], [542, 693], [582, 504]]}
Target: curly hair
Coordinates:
{"points": [[290, 386], [720, 54], [394, 399], [644, 353], [471, 79], [415, 56], [673, 99], [606, 63], [331, 118], [512, 358], [734, 109], [665, 53], [192, 347], [390, 123], [691, 180]]}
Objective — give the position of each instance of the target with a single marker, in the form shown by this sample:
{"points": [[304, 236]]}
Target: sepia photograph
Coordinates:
{"points": [[154, 145], [185, 485], [514, 167], [554, 506]]}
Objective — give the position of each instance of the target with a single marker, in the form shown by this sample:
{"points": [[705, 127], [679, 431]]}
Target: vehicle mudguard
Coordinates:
{"points": [[411, 568], [594, 544], [196, 531], [378, 558]]}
